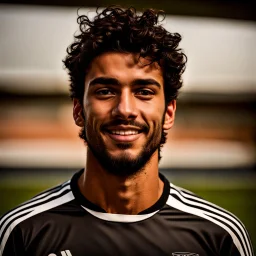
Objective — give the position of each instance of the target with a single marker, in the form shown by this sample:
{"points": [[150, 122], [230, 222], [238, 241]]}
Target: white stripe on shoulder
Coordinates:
{"points": [[182, 189], [34, 211], [216, 212], [32, 202], [49, 191], [205, 203], [27, 207]]}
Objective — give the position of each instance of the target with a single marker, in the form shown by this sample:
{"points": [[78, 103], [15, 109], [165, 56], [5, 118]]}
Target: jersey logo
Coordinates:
{"points": [[184, 254], [63, 253]]}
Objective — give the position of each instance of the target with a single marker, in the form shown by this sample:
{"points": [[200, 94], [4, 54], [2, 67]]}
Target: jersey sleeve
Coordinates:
{"points": [[240, 244], [228, 247], [233, 239], [14, 245]]}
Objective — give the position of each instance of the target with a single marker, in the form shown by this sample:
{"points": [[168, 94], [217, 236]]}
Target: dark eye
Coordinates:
{"points": [[146, 93], [104, 93]]}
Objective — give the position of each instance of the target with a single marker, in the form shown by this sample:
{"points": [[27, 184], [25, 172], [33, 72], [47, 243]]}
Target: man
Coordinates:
{"points": [[125, 71]]}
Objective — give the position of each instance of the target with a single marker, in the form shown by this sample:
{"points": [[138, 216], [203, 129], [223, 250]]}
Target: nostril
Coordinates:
{"points": [[125, 108], [124, 113]]}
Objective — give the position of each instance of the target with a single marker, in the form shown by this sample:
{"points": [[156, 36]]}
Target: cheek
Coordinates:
{"points": [[96, 114], [153, 113]]}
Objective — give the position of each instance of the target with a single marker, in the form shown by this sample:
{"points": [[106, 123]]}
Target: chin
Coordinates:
{"points": [[125, 149], [123, 154]]}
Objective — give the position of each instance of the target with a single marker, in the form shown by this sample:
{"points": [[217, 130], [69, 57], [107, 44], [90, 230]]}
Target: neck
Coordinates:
{"points": [[123, 195]]}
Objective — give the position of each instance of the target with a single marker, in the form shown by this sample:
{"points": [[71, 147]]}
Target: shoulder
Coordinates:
{"points": [[39, 204], [190, 203]]}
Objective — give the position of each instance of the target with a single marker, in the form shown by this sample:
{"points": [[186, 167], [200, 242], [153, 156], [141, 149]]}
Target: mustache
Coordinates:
{"points": [[134, 123]]}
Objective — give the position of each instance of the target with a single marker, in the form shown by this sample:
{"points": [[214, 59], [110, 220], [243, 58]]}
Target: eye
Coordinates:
{"points": [[103, 93], [145, 93]]}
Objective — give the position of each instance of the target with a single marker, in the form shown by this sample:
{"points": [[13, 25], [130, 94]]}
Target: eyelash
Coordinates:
{"points": [[140, 92], [148, 92], [101, 91]]}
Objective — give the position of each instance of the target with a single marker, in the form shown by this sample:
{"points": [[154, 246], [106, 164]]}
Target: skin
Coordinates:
{"points": [[118, 87]]}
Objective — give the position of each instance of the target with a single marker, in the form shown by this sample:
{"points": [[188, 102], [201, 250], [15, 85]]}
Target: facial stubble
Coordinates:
{"points": [[123, 165]]}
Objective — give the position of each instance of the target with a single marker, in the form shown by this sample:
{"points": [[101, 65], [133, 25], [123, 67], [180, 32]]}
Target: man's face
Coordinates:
{"points": [[124, 110]]}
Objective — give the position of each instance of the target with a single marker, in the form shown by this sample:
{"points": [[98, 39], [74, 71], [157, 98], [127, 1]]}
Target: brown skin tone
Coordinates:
{"points": [[128, 91]]}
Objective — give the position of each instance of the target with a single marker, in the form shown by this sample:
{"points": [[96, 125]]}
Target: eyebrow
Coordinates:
{"points": [[104, 81], [146, 82], [114, 81]]}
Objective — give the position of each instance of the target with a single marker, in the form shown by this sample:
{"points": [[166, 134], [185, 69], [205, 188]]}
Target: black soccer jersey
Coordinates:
{"points": [[61, 222]]}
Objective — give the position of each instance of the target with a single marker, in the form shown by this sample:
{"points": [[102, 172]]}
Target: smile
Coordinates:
{"points": [[124, 132], [124, 135]]}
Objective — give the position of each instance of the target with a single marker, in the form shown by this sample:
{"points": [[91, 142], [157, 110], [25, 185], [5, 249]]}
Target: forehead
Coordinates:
{"points": [[123, 66]]}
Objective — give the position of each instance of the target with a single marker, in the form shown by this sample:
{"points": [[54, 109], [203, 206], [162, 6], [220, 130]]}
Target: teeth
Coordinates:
{"points": [[122, 132]]}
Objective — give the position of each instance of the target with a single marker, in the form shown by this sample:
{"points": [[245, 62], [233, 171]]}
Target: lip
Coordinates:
{"points": [[123, 138], [123, 127]]}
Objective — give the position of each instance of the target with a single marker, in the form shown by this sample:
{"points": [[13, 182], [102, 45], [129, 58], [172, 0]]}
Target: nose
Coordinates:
{"points": [[125, 107]]}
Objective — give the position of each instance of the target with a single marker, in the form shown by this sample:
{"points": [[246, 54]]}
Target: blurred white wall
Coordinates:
{"points": [[33, 42], [221, 55]]}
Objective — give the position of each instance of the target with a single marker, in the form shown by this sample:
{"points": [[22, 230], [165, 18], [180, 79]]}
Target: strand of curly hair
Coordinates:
{"points": [[125, 30], [117, 30]]}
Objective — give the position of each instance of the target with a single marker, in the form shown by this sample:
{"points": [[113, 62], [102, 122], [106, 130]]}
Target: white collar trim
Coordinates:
{"points": [[125, 218]]}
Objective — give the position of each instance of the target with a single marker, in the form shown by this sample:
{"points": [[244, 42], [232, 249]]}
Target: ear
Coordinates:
{"points": [[78, 113], [169, 115]]}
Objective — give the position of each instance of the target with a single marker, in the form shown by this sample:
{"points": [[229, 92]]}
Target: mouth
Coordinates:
{"points": [[124, 134]]}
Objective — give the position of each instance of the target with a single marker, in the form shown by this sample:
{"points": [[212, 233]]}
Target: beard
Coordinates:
{"points": [[123, 165]]}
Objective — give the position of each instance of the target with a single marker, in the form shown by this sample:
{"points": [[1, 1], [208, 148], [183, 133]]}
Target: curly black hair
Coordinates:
{"points": [[124, 30]]}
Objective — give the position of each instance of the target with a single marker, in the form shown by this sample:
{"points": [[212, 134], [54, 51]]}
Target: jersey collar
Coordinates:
{"points": [[100, 213]]}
